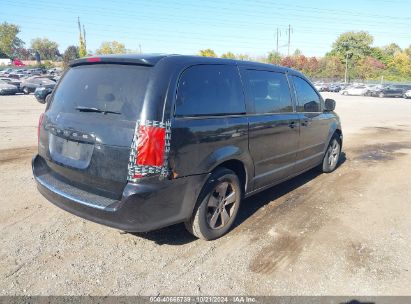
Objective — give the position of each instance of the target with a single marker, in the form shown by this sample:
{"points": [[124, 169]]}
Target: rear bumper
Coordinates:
{"points": [[144, 206]]}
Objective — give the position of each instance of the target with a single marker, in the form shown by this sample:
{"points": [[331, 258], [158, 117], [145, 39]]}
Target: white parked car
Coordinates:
{"points": [[358, 91], [407, 94]]}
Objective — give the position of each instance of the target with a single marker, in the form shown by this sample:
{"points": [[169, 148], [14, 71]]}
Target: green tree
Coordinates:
{"points": [[331, 67], [274, 57], [113, 47], [356, 44], [408, 51], [71, 53], [228, 55], [391, 50], [47, 49], [82, 50], [207, 53], [400, 65], [9, 41], [243, 57], [369, 68], [378, 53], [297, 52], [23, 53]]}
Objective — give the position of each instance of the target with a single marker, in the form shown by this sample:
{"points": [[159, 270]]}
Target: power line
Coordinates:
{"points": [[123, 13]]}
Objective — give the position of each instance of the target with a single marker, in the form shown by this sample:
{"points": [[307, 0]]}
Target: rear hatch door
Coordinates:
{"points": [[90, 123]]}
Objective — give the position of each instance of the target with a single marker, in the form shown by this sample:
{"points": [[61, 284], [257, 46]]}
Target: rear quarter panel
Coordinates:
{"points": [[199, 145]]}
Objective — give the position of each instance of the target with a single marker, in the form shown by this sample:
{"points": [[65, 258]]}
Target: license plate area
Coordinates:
{"points": [[70, 153]]}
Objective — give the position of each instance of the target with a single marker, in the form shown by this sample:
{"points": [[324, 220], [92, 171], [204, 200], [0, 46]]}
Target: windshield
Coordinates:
{"points": [[111, 88]]}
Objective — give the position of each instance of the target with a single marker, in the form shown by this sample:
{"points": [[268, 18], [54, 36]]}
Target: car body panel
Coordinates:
{"points": [[84, 157]]}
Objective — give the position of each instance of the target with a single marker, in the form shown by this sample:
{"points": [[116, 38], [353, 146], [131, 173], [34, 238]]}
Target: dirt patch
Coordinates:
{"points": [[16, 155], [279, 254], [381, 152], [363, 258]]}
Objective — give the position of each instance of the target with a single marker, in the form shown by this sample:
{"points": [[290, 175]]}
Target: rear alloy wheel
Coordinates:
{"points": [[26, 90], [332, 156], [217, 206]]}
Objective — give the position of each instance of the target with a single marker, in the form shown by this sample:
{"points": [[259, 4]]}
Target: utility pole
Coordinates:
{"points": [[289, 39], [346, 67], [84, 37], [278, 32]]}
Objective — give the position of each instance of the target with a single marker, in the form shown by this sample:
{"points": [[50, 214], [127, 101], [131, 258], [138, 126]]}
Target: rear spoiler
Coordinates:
{"points": [[119, 59]]}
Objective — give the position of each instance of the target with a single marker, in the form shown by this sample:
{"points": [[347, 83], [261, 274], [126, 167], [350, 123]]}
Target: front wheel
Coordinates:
{"points": [[217, 206], [332, 155]]}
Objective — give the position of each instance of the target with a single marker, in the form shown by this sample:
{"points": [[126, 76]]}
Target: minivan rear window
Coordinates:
{"points": [[117, 90], [210, 90]]}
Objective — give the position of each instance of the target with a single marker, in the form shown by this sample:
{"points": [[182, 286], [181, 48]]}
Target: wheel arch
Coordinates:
{"points": [[239, 169]]}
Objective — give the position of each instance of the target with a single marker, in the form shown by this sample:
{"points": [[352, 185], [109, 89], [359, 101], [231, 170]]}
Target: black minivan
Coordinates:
{"points": [[139, 142]]}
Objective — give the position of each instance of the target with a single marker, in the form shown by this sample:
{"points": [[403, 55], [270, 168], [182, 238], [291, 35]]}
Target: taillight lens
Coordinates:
{"points": [[149, 150], [150, 146], [39, 126]]}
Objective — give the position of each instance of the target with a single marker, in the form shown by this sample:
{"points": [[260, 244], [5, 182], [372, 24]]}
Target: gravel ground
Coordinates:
{"points": [[345, 233]]}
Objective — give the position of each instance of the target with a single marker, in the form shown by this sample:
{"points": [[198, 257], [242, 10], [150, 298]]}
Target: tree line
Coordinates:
{"points": [[351, 51]]}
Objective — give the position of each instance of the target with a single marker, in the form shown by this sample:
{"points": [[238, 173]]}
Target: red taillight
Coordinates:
{"points": [[39, 126], [94, 59], [149, 150], [150, 146]]}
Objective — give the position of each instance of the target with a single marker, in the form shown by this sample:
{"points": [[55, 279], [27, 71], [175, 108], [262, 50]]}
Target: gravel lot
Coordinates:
{"points": [[345, 233]]}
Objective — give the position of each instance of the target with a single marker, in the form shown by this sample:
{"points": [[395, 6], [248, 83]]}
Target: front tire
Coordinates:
{"points": [[332, 155], [217, 206]]}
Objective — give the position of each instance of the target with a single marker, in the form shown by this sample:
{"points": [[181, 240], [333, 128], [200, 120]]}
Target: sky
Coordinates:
{"points": [[186, 26]]}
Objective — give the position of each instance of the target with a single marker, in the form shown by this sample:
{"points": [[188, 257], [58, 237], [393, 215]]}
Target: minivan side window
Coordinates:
{"points": [[210, 90], [308, 99], [269, 92]]}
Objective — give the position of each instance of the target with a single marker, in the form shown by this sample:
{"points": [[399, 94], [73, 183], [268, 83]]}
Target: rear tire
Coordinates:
{"points": [[217, 206], [332, 155]]}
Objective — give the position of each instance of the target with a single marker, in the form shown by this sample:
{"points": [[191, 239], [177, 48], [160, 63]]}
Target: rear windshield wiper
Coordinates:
{"points": [[89, 109]]}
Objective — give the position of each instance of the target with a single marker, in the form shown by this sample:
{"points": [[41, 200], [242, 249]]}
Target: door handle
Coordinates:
{"points": [[292, 124]]}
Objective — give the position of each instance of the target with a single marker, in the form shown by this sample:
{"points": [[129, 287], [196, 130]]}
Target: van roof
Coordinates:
{"points": [[153, 59]]}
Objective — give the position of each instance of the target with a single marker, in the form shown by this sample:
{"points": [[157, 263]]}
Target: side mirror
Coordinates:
{"points": [[329, 105]]}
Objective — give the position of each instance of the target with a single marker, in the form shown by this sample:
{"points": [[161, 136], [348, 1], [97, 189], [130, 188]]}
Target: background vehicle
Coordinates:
{"points": [[387, 91], [334, 88], [41, 93], [7, 89], [15, 82], [201, 147], [6, 71], [321, 87], [357, 90], [30, 84], [407, 94]]}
